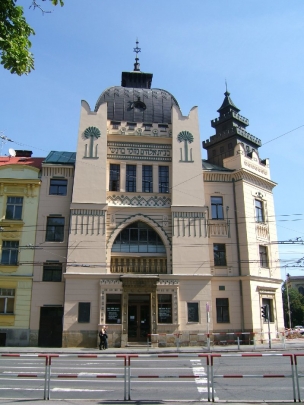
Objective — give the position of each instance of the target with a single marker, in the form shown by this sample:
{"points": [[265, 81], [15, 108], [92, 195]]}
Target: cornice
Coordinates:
{"points": [[239, 175]]}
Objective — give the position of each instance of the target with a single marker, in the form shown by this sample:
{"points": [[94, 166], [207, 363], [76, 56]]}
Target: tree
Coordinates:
{"points": [[15, 32], [296, 301]]}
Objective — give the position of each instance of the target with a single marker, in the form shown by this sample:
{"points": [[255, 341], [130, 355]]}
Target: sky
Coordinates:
{"points": [[192, 48]]}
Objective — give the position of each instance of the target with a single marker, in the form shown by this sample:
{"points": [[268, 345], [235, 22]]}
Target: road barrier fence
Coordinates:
{"points": [[129, 372]]}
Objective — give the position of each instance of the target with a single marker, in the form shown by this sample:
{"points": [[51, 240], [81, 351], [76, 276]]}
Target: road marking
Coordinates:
{"points": [[201, 381]]}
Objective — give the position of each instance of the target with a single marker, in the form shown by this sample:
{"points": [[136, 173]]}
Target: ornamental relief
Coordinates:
{"points": [[140, 201]]}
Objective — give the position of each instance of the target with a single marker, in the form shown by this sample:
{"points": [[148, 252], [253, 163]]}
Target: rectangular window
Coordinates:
{"points": [[84, 312], [113, 308], [115, 124], [147, 179], [259, 211], [131, 126], [147, 127], [14, 208], [192, 311], [58, 187], [52, 272], [263, 252], [54, 229], [217, 211], [163, 179], [9, 252], [131, 178], [164, 308], [114, 177], [219, 252], [163, 128], [222, 310], [7, 300], [269, 303]]}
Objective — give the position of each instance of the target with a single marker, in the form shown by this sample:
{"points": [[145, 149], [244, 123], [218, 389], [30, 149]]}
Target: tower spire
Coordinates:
{"points": [[137, 50]]}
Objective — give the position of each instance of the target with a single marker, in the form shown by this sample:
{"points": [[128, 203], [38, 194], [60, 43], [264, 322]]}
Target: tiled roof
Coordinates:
{"points": [[28, 161]]}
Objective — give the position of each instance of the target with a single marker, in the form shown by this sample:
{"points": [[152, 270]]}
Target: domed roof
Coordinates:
{"points": [[137, 104]]}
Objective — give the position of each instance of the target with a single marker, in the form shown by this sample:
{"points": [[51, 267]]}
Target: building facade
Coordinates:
{"points": [[139, 233], [19, 196]]}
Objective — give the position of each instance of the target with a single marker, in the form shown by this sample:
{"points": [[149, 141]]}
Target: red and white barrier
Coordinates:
{"points": [[251, 355]]}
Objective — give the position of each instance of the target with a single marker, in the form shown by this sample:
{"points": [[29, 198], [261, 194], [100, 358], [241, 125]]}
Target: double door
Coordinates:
{"points": [[138, 317]]}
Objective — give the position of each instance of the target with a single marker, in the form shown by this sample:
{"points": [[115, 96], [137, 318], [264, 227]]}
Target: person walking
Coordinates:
{"points": [[103, 338]]}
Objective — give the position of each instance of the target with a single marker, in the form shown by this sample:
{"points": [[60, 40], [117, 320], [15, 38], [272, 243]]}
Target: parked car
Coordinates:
{"points": [[299, 328]]}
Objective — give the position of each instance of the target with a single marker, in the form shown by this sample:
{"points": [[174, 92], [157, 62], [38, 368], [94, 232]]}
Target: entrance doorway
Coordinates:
{"points": [[50, 328], [138, 317]]}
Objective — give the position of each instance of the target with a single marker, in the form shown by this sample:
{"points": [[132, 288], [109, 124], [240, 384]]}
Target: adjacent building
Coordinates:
{"points": [[19, 196]]}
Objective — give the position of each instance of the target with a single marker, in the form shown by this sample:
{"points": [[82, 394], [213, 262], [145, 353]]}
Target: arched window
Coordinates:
{"points": [[138, 238]]}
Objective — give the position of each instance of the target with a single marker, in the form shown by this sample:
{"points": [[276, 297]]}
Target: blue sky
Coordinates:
{"points": [[191, 47]]}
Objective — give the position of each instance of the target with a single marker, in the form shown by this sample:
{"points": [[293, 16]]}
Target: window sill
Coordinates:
{"points": [[8, 268], [7, 319]]}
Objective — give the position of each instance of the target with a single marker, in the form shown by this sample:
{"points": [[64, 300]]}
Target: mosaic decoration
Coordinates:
{"points": [[139, 201], [186, 137]]}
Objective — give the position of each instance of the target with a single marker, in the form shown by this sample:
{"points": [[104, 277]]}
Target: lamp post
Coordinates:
{"points": [[288, 302]]}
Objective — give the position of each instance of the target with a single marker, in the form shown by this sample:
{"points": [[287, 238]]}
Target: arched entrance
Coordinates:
{"points": [[139, 255]]}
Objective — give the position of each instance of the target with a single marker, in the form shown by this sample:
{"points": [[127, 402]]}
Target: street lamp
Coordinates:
{"points": [[288, 302]]}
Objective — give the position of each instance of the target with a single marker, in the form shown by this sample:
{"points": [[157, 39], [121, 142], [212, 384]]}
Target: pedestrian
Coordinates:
{"points": [[103, 338]]}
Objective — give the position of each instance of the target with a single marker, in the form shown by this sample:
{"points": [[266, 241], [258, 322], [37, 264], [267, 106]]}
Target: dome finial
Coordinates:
{"points": [[136, 64]]}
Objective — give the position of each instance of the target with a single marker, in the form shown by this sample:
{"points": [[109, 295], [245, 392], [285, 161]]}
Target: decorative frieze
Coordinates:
{"points": [[139, 151], [139, 201], [146, 265]]}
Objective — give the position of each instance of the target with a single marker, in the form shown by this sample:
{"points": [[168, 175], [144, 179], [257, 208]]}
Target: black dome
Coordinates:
{"points": [[137, 105]]}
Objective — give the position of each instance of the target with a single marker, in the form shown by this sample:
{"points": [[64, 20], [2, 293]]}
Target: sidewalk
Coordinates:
{"points": [[290, 344]]}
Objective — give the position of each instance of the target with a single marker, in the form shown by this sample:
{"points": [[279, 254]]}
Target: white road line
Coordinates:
{"points": [[201, 381]]}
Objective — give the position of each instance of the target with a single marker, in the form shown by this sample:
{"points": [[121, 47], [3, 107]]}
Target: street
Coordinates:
{"points": [[154, 377]]}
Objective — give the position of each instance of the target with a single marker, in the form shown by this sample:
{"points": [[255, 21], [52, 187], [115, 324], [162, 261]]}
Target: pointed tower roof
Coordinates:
{"points": [[228, 104]]}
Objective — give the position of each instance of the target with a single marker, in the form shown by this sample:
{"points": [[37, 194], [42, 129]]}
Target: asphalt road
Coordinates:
{"points": [[153, 379]]}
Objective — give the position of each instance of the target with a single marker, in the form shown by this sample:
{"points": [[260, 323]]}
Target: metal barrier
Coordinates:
{"points": [[167, 375], [128, 374], [251, 355], [105, 376], [298, 375], [5, 375]]}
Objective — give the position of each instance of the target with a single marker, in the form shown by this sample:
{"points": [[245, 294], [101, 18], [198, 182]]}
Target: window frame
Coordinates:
{"points": [[195, 308], [259, 211], [217, 208], [57, 231], [263, 256], [17, 208], [163, 179], [131, 172], [12, 249], [221, 260], [115, 301], [58, 189], [222, 311], [114, 177], [84, 312], [147, 178], [166, 305], [5, 298], [52, 268]]}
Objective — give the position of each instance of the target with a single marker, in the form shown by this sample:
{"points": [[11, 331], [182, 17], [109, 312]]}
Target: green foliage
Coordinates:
{"points": [[15, 45], [296, 301]]}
